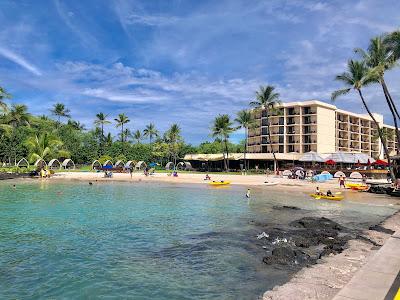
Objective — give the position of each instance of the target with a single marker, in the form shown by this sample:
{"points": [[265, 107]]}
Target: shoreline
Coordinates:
{"points": [[331, 273]]}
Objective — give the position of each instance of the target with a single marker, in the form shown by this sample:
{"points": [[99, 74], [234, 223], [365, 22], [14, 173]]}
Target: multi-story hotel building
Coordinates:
{"points": [[321, 127]]}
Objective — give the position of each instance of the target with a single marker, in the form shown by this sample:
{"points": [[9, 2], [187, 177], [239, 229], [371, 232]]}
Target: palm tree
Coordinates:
{"points": [[380, 58], [222, 128], [392, 41], [137, 136], [268, 101], [127, 134], [76, 125], [173, 136], [101, 120], [150, 131], [18, 116], [357, 77], [4, 95], [121, 121], [60, 111], [108, 140], [245, 120], [45, 146]]}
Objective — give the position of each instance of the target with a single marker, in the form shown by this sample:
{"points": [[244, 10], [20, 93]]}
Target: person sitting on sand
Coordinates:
{"points": [[175, 174], [317, 191], [329, 193], [207, 177]]}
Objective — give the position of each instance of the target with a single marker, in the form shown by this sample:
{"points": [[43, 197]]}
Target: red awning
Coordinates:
{"points": [[330, 162], [380, 162]]}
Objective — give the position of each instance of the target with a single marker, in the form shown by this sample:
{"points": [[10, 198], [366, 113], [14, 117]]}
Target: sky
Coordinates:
{"points": [[184, 61]]}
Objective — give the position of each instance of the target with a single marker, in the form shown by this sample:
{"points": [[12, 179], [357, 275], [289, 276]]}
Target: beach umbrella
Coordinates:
{"points": [[330, 162], [380, 162], [152, 165]]}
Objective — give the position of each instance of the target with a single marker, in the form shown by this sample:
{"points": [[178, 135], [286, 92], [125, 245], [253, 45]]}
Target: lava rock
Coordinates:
{"points": [[380, 228], [316, 223]]}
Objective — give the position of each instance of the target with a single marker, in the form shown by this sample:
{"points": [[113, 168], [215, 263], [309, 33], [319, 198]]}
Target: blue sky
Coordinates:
{"points": [[183, 61]]}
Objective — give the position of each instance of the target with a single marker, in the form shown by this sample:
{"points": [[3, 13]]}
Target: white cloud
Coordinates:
{"points": [[19, 60]]}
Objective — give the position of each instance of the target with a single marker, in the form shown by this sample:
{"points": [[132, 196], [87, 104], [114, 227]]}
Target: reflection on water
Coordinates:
{"points": [[150, 240]]}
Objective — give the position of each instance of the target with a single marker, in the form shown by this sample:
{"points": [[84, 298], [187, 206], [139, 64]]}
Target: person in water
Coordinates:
{"points": [[317, 191], [341, 181], [248, 193]]}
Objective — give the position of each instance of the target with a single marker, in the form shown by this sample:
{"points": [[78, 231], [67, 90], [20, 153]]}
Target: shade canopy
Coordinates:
{"points": [[311, 157], [350, 158]]}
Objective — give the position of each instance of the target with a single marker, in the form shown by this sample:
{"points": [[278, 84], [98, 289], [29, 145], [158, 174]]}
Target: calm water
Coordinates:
{"points": [[142, 241]]}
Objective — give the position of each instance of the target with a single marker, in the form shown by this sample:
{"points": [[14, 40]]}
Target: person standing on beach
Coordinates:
{"points": [[130, 171], [341, 181]]}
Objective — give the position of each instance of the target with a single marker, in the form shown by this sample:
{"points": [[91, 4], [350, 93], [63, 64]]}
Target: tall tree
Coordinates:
{"points": [[127, 134], [379, 58], [150, 131], [4, 95], [355, 78], [245, 120], [18, 116], [137, 136], [173, 136], [222, 128], [76, 125], [120, 122], [101, 120], [392, 41], [60, 111], [267, 100]]}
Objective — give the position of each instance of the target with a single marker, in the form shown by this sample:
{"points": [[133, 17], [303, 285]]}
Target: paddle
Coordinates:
{"points": [[338, 193]]}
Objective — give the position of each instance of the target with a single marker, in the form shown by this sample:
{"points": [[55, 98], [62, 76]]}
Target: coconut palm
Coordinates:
{"points": [[173, 137], [121, 121], [101, 120], [379, 58], [137, 136], [150, 131], [76, 125], [60, 111], [222, 128], [392, 40], [4, 95], [127, 134], [245, 120], [45, 146], [18, 116], [357, 77], [108, 140], [267, 100]]}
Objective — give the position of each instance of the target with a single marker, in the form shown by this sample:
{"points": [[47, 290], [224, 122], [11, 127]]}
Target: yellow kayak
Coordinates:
{"points": [[351, 185], [335, 198], [222, 182]]}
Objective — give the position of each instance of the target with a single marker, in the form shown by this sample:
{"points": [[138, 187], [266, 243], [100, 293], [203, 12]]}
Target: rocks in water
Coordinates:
{"points": [[306, 240], [288, 207], [284, 255], [316, 223], [380, 228]]}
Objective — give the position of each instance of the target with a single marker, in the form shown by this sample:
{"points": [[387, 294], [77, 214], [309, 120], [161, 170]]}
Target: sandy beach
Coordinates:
{"points": [[192, 178]]}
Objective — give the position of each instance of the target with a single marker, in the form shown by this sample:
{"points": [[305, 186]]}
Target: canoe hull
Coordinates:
{"points": [[333, 198]]}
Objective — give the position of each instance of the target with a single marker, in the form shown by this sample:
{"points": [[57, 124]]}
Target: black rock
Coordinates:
{"points": [[284, 207], [380, 228], [316, 223]]}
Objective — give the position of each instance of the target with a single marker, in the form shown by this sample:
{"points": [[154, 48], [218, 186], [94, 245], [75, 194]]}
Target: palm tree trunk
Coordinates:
{"points": [[385, 149], [392, 110], [245, 150], [270, 144], [227, 154]]}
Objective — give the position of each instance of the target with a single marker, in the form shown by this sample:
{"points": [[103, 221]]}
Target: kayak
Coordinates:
{"points": [[223, 182], [360, 188], [335, 198], [351, 185]]}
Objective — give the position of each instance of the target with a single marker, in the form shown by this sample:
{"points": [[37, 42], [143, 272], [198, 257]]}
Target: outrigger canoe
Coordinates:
{"points": [[360, 188], [334, 198], [216, 183]]}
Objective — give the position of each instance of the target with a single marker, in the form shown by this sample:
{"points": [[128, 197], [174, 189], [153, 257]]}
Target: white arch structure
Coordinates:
{"points": [[169, 166], [68, 164], [23, 163], [119, 164], [108, 163], [140, 165], [54, 164], [40, 163], [96, 165]]}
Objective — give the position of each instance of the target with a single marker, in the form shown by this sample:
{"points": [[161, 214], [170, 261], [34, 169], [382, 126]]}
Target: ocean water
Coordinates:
{"points": [[66, 240]]}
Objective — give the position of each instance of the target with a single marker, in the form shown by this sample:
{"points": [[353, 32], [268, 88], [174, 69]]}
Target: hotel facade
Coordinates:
{"points": [[300, 127]]}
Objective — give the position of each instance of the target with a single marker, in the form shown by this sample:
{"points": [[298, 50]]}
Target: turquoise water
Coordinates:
{"points": [[146, 241]]}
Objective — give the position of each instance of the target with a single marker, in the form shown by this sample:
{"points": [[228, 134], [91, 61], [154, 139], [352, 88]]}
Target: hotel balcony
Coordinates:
{"points": [[342, 118], [309, 120], [309, 111], [293, 148], [308, 148], [293, 111]]}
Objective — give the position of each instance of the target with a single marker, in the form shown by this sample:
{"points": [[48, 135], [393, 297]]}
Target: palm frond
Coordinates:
{"points": [[338, 93]]}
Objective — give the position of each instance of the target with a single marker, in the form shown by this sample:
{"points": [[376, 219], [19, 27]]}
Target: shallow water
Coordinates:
{"points": [[147, 240]]}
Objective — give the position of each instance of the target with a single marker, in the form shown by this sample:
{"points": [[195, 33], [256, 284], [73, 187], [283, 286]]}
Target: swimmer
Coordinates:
{"points": [[90, 183], [248, 193]]}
